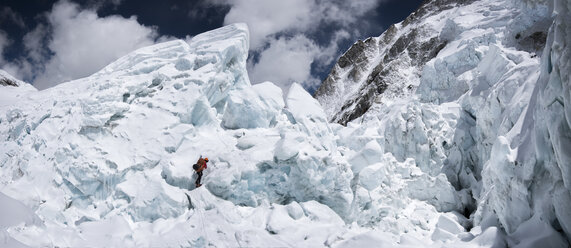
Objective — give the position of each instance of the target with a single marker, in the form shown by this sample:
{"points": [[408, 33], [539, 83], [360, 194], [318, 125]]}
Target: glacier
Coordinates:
{"points": [[468, 147], [483, 110]]}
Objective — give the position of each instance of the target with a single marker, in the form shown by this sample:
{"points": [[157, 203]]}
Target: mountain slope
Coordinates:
{"points": [[12, 89], [502, 76], [386, 66]]}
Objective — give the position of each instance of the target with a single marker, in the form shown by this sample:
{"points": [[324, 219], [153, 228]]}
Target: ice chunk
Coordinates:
{"points": [[317, 211], [151, 199], [491, 237], [230, 43], [316, 177], [373, 176], [303, 106], [201, 114], [440, 81], [508, 195], [494, 65], [279, 222], [294, 210], [442, 235], [450, 30], [13, 212], [227, 48], [435, 190], [253, 107], [372, 153], [448, 224], [536, 233], [369, 239], [288, 146]]}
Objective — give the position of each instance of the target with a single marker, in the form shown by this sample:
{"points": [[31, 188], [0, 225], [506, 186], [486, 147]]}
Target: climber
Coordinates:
{"points": [[199, 167]]}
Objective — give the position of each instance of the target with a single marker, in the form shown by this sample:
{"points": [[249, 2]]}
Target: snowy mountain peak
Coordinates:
{"points": [[8, 80], [12, 89], [385, 67]]}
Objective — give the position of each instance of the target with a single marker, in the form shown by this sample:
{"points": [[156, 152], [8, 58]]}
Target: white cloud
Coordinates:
{"points": [[345, 12], [13, 68], [293, 56], [7, 14], [80, 43], [288, 60], [74, 42], [18, 69], [33, 43], [284, 60], [116, 2], [266, 18], [23, 68], [4, 42], [269, 17]]}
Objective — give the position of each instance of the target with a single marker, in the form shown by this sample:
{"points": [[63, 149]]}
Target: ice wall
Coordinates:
{"points": [[512, 139], [527, 176], [487, 127]]}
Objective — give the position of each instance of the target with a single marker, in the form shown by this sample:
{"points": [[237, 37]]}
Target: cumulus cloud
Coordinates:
{"points": [[283, 40], [291, 41], [4, 42], [15, 69], [288, 60], [269, 17], [280, 54], [75, 43], [9, 15]]}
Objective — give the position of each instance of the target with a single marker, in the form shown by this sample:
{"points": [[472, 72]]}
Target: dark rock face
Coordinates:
{"points": [[372, 67], [8, 82]]}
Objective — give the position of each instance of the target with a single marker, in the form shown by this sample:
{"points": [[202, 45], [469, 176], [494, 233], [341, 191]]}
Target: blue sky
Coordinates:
{"points": [[50, 42]]}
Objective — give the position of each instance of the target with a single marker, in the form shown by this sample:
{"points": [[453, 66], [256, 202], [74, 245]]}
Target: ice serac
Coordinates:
{"points": [[107, 149], [488, 110], [252, 107], [527, 175], [106, 160]]}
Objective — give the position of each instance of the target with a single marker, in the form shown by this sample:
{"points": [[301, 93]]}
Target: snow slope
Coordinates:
{"points": [[106, 161], [12, 89]]}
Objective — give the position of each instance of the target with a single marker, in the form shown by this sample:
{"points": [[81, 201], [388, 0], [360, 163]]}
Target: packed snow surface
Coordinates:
{"points": [[106, 161]]}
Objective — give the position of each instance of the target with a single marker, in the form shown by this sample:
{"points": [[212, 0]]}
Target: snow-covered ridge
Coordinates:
{"points": [[386, 67], [12, 89]]}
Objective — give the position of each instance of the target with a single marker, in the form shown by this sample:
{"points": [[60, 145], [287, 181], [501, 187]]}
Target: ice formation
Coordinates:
{"points": [[475, 153], [488, 111]]}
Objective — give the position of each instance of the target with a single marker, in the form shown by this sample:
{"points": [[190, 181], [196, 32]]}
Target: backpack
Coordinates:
{"points": [[195, 166]]}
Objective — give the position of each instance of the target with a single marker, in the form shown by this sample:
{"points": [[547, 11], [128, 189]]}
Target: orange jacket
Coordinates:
{"points": [[202, 163]]}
